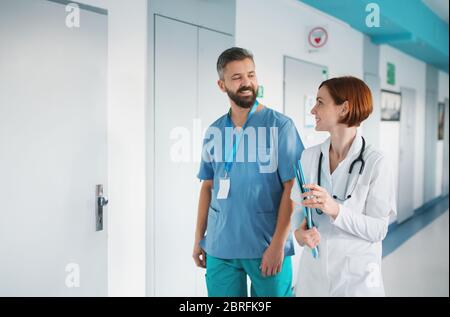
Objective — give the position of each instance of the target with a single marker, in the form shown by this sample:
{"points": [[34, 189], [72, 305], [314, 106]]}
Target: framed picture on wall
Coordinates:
{"points": [[441, 118], [391, 103]]}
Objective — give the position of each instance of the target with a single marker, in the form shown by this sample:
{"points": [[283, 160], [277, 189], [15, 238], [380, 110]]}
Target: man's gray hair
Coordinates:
{"points": [[230, 55]]}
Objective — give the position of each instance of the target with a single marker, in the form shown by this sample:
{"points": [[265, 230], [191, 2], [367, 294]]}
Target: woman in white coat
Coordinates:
{"points": [[351, 193]]}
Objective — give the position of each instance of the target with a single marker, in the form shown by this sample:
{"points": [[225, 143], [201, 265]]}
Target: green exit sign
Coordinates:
{"points": [[260, 93], [391, 74]]}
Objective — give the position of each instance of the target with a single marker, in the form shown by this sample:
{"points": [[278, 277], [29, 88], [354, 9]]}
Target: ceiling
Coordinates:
{"points": [[439, 7], [412, 26]]}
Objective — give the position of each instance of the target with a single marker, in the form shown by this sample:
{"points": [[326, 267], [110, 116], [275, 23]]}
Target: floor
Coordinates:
{"points": [[419, 266]]}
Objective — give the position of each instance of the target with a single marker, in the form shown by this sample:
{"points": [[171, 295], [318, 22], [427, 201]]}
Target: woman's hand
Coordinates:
{"points": [[319, 198], [310, 237]]}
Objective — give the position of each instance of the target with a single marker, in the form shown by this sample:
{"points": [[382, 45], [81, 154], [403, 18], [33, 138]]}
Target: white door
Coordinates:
{"points": [[430, 148], [52, 150], [406, 155], [187, 100], [371, 125], [301, 83], [445, 159]]}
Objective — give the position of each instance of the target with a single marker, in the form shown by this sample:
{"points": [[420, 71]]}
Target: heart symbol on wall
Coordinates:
{"points": [[318, 37]]}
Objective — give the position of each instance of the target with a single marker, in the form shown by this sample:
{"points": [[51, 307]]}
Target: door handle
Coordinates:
{"points": [[101, 201]]}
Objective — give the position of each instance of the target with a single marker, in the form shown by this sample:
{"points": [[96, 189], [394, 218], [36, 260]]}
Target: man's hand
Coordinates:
{"points": [[273, 257], [202, 220], [272, 260], [199, 255]]}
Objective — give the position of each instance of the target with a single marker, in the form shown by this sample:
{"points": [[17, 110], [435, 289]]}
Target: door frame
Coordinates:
{"points": [[84, 6]]}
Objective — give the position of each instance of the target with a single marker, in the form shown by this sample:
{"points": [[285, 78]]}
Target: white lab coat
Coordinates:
{"points": [[349, 263]]}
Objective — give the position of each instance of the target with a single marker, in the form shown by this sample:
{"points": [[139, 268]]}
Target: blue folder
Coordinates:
{"points": [[306, 211]]}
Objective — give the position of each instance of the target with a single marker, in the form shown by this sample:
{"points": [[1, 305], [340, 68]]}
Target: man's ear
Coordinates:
{"points": [[221, 85]]}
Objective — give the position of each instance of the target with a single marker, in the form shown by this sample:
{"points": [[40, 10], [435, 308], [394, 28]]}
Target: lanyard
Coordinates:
{"points": [[229, 161]]}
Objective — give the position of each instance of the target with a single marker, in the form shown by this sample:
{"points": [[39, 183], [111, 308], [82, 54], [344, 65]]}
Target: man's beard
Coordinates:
{"points": [[243, 101]]}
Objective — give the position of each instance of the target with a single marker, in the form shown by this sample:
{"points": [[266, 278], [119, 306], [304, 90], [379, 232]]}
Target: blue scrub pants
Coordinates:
{"points": [[228, 278]]}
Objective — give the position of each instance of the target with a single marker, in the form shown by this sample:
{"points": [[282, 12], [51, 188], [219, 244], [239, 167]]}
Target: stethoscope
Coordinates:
{"points": [[361, 169]]}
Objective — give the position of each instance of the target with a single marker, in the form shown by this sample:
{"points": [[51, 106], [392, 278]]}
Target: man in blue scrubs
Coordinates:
{"points": [[243, 222]]}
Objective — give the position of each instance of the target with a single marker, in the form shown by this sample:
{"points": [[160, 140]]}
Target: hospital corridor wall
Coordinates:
{"points": [[130, 112]]}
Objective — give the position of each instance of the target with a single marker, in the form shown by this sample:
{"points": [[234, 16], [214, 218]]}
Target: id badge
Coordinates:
{"points": [[224, 188]]}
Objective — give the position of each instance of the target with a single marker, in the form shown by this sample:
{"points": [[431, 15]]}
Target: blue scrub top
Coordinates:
{"points": [[242, 226]]}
